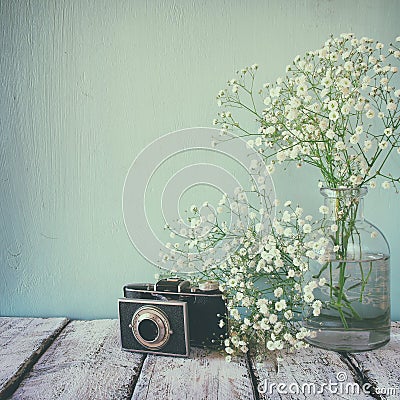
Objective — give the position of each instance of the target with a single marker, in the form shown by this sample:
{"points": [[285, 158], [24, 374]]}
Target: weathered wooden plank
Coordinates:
{"points": [[85, 362], [204, 375], [22, 341], [382, 366], [305, 374]]}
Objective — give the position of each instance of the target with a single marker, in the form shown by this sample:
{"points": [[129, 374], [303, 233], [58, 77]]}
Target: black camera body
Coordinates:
{"points": [[170, 316]]}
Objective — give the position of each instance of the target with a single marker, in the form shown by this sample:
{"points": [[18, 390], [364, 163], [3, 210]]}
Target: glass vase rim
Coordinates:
{"points": [[358, 191]]}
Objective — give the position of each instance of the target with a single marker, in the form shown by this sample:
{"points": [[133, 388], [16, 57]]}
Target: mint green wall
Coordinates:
{"points": [[86, 85]]}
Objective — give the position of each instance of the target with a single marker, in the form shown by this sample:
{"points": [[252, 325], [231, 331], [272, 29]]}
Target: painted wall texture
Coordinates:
{"points": [[86, 85]]}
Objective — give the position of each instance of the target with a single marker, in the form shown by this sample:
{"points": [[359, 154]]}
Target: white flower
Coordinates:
{"points": [[267, 101], [334, 228], [353, 179], [316, 312], [391, 106], [348, 66], [286, 216], [281, 156], [291, 273], [344, 83], [372, 184], [340, 145], [323, 124], [270, 345], [345, 110], [273, 318], [388, 131], [386, 185], [370, 114], [354, 139], [310, 254], [280, 305], [366, 81], [333, 115], [359, 130], [259, 227], [324, 210], [307, 228], [278, 292], [332, 105], [330, 134], [308, 297], [367, 144], [274, 92], [322, 282], [258, 141], [383, 145], [288, 314], [359, 106]]}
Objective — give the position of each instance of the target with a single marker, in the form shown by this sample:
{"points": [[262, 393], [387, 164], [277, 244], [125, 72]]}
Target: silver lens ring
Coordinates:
{"points": [[151, 327]]}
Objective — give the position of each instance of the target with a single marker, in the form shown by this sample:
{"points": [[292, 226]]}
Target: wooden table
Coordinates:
{"points": [[59, 359]]}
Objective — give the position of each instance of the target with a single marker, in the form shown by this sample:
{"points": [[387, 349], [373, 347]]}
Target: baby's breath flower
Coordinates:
{"points": [[308, 297], [334, 228], [383, 144], [386, 185], [345, 90], [307, 228]]}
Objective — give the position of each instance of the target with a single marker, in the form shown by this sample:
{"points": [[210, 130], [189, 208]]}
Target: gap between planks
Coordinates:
{"points": [[81, 362], [203, 375], [380, 368], [84, 362], [23, 341], [314, 367]]}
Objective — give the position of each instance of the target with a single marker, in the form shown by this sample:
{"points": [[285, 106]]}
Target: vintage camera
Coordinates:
{"points": [[170, 316]]}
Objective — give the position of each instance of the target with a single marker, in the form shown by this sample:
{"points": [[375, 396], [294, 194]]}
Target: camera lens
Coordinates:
{"points": [[148, 330], [150, 327]]}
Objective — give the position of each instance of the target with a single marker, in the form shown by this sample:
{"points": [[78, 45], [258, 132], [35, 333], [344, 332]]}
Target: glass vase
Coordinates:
{"points": [[349, 308]]}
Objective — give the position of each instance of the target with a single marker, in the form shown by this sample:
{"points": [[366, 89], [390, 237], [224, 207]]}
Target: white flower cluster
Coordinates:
{"points": [[261, 273], [336, 108]]}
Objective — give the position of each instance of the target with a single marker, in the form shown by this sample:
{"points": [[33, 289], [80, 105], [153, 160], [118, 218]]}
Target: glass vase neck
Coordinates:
{"points": [[344, 202]]}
